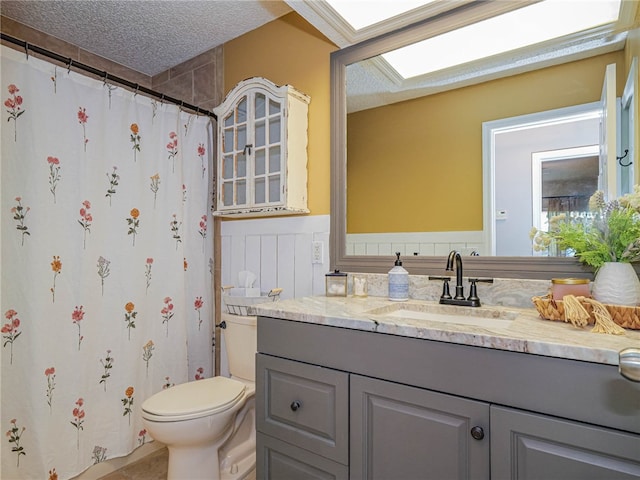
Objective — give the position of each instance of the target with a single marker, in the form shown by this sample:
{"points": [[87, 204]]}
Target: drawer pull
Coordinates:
{"points": [[295, 405], [477, 433], [629, 364]]}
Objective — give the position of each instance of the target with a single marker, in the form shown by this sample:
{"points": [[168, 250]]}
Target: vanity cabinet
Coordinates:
{"points": [[532, 446], [302, 421], [422, 409], [262, 150], [403, 432]]}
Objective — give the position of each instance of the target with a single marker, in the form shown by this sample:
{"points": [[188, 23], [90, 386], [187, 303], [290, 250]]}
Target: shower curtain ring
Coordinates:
{"points": [[69, 65], [105, 77], [26, 49], [136, 90]]}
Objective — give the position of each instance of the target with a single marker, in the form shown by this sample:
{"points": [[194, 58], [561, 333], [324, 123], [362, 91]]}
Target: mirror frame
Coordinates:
{"points": [[493, 267]]}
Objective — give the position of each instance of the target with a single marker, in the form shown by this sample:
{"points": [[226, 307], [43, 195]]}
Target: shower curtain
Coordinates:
{"points": [[107, 264]]}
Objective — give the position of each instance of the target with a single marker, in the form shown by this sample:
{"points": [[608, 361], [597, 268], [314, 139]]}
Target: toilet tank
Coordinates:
{"points": [[241, 341]]}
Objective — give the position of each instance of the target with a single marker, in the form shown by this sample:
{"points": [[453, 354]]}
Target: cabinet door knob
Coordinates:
{"points": [[477, 433], [295, 405]]}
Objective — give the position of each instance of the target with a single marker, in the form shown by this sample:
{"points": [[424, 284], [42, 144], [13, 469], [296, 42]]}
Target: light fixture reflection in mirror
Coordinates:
{"points": [[443, 186]]}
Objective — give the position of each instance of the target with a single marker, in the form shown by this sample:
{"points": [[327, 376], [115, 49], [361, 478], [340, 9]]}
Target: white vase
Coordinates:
{"points": [[617, 283]]}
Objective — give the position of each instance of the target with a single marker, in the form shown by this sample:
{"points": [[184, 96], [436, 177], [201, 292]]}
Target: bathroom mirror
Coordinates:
{"points": [[341, 62]]}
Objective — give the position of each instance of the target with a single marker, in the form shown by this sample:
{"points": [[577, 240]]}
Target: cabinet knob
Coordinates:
{"points": [[629, 364], [477, 433], [295, 405]]}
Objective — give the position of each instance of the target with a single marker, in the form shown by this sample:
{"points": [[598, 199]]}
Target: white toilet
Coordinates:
{"points": [[209, 425]]}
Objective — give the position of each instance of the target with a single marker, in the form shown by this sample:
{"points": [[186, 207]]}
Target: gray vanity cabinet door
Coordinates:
{"points": [[406, 433], [278, 460], [527, 446]]}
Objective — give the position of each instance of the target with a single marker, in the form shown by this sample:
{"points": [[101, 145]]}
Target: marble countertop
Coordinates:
{"points": [[503, 328]]}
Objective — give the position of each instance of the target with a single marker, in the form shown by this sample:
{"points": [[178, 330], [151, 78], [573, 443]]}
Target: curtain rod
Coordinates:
{"points": [[103, 74]]}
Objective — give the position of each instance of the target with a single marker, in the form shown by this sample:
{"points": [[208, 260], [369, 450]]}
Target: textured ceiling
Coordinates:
{"points": [[151, 36], [148, 36]]}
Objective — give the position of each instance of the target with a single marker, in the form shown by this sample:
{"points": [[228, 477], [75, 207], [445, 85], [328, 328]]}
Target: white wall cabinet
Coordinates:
{"points": [[262, 150]]}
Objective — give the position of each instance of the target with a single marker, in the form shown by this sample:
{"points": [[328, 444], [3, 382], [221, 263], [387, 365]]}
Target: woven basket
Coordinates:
{"points": [[626, 317]]}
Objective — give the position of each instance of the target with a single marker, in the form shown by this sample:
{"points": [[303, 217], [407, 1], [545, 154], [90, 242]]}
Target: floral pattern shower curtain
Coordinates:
{"points": [[106, 264]]}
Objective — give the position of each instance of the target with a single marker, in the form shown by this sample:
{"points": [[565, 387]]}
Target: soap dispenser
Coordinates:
{"points": [[398, 282]]}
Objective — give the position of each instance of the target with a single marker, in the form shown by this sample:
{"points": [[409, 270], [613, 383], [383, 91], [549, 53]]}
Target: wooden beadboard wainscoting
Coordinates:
{"points": [[278, 251]]}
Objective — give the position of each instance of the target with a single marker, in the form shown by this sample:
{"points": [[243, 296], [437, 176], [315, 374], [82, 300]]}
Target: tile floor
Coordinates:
{"points": [[151, 467]]}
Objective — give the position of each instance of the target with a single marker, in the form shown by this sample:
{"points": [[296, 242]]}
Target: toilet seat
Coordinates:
{"points": [[194, 399]]}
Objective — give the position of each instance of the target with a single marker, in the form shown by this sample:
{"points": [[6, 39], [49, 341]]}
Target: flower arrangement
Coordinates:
{"points": [[610, 233]]}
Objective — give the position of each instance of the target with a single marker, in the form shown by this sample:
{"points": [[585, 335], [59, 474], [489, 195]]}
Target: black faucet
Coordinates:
{"points": [[453, 255], [459, 298]]}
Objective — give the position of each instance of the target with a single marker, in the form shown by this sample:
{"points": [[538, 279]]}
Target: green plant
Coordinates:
{"points": [[610, 233]]}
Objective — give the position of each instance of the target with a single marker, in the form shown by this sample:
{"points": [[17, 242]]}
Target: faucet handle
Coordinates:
{"points": [[446, 294], [473, 290], [481, 280]]}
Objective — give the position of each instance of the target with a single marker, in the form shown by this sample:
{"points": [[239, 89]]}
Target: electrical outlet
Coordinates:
{"points": [[317, 251]]}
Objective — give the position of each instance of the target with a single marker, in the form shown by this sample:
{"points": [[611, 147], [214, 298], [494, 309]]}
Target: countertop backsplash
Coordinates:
{"points": [[506, 292]]}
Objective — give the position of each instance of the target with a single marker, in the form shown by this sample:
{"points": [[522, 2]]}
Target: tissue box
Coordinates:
{"points": [[244, 292]]}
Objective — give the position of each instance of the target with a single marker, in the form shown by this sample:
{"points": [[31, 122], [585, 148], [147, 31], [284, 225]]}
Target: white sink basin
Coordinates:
{"points": [[476, 316]]}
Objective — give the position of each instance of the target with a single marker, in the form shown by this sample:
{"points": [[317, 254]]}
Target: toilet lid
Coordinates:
{"points": [[200, 396]]}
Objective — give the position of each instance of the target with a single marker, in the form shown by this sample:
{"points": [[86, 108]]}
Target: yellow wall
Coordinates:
{"points": [[448, 196], [291, 51], [431, 148]]}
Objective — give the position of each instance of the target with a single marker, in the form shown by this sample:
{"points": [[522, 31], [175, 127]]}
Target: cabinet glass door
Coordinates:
{"points": [[234, 156], [267, 153]]}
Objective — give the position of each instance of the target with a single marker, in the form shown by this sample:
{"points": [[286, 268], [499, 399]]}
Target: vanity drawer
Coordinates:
{"points": [[277, 460], [304, 405]]}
